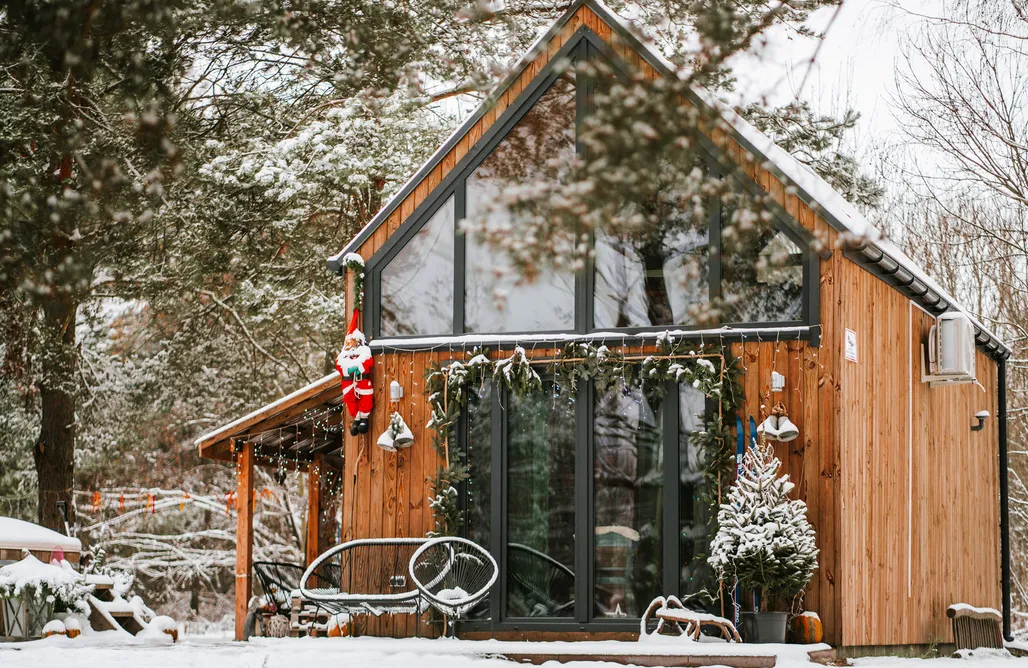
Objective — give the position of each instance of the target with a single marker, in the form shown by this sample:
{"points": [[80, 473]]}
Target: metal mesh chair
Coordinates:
{"points": [[538, 584], [453, 574], [373, 578], [278, 580]]}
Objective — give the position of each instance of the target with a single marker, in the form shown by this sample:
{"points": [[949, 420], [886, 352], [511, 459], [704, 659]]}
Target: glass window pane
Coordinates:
{"points": [[479, 498], [541, 504], [694, 513], [417, 284], [762, 273], [652, 277], [540, 147], [651, 262], [629, 486]]}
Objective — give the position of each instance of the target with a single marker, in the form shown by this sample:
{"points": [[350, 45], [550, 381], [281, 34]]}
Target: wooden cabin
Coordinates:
{"points": [[905, 485]]}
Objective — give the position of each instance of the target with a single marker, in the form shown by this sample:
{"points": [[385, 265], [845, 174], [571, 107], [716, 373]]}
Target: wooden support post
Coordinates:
{"points": [[314, 474], [244, 531]]}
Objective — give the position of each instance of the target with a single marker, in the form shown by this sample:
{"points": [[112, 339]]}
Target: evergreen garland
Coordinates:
{"points": [[516, 373], [355, 263], [584, 361], [447, 394]]}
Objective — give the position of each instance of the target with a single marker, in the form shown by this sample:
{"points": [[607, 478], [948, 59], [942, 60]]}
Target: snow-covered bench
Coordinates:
{"points": [[975, 627], [398, 576], [374, 578], [672, 616]]}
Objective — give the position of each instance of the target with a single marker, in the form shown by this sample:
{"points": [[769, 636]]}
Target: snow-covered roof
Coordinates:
{"points": [[811, 188], [270, 409], [18, 534]]}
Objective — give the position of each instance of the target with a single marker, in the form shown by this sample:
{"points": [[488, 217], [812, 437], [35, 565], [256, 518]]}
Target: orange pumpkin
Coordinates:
{"points": [[807, 629], [340, 626]]}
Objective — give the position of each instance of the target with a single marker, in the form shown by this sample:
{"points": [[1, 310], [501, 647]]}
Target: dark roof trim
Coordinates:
{"points": [[335, 262], [900, 277], [870, 256]]}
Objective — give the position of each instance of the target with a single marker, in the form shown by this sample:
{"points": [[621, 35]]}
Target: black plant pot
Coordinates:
{"points": [[764, 627]]}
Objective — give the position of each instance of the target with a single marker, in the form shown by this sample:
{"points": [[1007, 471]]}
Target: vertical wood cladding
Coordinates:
{"points": [[901, 536], [920, 514]]}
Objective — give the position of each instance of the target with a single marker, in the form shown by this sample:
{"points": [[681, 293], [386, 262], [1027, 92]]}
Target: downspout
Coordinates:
{"points": [[1004, 500]]}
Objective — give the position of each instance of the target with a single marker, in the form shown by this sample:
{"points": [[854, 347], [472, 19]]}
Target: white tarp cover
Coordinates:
{"points": [[18, 534]]}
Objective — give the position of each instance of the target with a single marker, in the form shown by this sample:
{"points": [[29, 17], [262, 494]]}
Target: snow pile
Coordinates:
{"points": [[353, 258], [31, 578], [160, 628], [18, 534], [72, 626], [54, 627], [454, 594], [764, 541]]}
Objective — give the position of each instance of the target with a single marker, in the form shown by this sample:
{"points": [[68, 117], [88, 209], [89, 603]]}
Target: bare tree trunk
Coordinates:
{"points": [[54, 451]]}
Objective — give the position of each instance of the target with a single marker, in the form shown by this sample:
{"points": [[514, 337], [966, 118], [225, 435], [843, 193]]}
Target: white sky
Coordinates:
{"points": [[855, 66]]}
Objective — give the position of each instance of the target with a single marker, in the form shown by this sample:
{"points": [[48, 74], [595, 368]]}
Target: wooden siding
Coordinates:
{"points": [[920, 507], [848, 462]]}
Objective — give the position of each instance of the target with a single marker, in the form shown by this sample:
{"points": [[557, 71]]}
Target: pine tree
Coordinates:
{"points": [[764, 541]]}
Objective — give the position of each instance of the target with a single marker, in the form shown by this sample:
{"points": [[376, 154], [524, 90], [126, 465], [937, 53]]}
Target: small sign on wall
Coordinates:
{"points": [[851, 345]]}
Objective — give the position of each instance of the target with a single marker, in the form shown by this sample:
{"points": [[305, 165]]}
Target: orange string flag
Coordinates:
{"points": [[121, 503], [96, 502]]}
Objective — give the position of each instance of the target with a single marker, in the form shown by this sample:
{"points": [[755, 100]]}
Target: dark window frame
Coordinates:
{"points": [[584, 617], [585, 44]]}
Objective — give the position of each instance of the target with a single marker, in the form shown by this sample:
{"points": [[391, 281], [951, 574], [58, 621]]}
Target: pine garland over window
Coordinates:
{"points": [[675, 361], [355, 263]]}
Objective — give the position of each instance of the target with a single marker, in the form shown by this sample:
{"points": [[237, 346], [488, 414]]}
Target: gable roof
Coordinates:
{"points": [[864, 242]]}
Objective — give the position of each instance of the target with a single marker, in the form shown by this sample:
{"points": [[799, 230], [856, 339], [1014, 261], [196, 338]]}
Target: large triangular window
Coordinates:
{"points": [[431, 279]]}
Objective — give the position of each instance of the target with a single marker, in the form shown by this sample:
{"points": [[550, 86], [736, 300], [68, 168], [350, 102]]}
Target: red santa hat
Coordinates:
{"points": [[353, 333]]}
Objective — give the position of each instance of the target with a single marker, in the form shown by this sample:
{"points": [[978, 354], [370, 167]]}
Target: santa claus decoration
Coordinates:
{"points": [[354, 365]]}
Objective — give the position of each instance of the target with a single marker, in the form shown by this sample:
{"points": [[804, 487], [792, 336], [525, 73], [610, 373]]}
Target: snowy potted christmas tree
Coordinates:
{"points": [[764, 543]]}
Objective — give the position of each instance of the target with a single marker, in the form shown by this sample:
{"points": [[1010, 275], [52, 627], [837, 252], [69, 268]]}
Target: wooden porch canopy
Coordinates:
{"points": [[303, 431], [290, 431]]}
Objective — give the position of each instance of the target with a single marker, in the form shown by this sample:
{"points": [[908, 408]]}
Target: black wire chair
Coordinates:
{"points": [[374, 578], [278, 580], [537, 584], [453, 574]]}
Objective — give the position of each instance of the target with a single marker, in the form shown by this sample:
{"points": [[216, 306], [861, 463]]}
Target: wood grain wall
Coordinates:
{"points": [[920, 490], [821, 472], [849, 461]]}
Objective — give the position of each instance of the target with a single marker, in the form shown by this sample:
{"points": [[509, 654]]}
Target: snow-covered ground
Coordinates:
{"points": [[208, 652]]}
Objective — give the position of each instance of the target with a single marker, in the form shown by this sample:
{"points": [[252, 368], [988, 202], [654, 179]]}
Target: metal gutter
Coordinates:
{"points": [[876, 260], [1004, 500]]}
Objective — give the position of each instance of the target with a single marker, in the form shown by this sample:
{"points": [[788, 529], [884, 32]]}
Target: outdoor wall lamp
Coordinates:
{"points": [[395, 391], [981, 416]]}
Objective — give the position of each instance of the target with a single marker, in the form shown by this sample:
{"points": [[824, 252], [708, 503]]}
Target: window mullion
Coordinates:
{"points": [[498, 509], [459, 256], [583, 278], [584, 504], [714, 246], [671, 540]]}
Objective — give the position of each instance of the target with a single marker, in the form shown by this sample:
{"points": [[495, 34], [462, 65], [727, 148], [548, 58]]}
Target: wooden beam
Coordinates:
{"points": [[244, 532]]}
